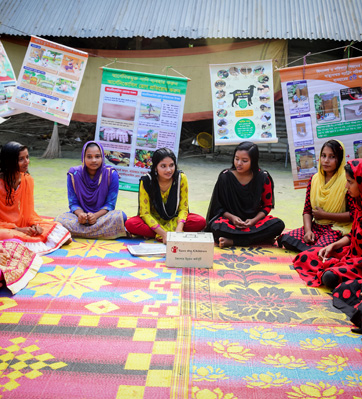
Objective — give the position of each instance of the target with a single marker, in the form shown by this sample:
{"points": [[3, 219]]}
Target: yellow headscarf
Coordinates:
{"points": [[331, 196]]}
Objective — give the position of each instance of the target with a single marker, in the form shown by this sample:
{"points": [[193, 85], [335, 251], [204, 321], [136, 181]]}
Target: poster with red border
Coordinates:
{"points": [[322, 101], [49, 80]]}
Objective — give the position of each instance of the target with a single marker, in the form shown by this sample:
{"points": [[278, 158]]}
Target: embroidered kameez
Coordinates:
{"points": [[21, 266], [174, 200]]}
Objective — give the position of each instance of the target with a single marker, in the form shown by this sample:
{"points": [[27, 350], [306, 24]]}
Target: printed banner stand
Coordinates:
{"points": [[322, 101], [49, 80], [138, 113], [243, 102], [7, 85]]}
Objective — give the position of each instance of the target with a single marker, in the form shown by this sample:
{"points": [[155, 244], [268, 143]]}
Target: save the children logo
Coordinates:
{"points": [[174, 249]]}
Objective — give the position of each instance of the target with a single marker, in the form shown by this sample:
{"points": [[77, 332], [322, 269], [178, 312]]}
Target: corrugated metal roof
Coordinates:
{"points": [[194, 19]]}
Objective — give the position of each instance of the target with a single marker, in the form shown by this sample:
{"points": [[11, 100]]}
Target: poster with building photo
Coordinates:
{"points": [[138, 113], [321, 101], [302, 130], [243, 102], [7, 84], [49, 80]]}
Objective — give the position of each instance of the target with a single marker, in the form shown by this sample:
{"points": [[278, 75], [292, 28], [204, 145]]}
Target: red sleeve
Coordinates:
{"points": [[267, 197], [350, 206], [307, 205]]}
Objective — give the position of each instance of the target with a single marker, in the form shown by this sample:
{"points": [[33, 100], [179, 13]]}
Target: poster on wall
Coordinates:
{"points": [[49, 80], [7, 84], [138, 113], [243, 102], [321, 102]]}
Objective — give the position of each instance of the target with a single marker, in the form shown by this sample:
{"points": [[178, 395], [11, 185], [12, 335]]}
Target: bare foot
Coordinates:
{"points": [[225, 242]]}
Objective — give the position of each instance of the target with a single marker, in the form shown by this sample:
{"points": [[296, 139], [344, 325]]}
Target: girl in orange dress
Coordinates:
{"points": [[18, 219]]}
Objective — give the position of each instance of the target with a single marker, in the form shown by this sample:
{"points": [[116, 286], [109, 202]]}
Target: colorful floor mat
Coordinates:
{"points": [[248, 360], [100, 278], [94, 323], [255, 284], [120, 357], [97, 322]]}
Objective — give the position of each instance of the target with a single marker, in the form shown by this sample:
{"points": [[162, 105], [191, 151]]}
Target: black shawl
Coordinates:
{"points": [[230, 195], [168, 210]]}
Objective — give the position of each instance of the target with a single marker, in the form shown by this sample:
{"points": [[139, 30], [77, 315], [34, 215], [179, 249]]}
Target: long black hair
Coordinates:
{"points": [[157, 157], [337, 150], [253, 152], [9, 166]]}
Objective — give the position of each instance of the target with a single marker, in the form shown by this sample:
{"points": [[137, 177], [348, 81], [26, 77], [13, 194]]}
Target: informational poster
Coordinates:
{"points": [[7, 84], [243, 102], [138, 113], [321, 102], [49, 80]]}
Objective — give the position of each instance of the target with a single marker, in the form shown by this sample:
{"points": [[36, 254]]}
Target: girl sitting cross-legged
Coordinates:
{"points": [[18, 219], [92, 195], [163, 201], [241, 201]]}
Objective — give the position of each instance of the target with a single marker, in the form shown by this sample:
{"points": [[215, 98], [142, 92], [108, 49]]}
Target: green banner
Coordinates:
{"points": [[143, 81], [128, 186], [339, 129]]}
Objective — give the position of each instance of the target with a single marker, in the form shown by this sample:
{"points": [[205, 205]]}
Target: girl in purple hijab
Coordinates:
{"points": [[92, 196]]}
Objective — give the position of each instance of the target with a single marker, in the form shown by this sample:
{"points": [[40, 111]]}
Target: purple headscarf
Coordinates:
{"points": [[91, 193]]}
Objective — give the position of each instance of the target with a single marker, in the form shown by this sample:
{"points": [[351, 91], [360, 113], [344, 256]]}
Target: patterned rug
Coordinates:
{"points": [[92, 277], [248, 360], [257, 331], [94, 323], [120, 357], [97, 322], [255, 285]]}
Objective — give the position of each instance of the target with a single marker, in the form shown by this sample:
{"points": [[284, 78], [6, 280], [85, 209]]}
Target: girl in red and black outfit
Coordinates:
{"points": [[241, 201], [347, 296], [342, 260]]}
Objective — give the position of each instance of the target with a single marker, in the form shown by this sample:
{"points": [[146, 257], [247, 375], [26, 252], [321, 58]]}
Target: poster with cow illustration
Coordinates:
{"points": [[243, 102]]}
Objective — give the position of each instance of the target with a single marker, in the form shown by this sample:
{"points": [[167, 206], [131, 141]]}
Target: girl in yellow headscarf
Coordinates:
{"points": [[328, 208]]}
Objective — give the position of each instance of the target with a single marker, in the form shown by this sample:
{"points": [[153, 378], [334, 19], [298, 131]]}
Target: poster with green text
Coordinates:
{"points": [[137, 114]]}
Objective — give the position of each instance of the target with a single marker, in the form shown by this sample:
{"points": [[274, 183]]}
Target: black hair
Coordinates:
{"points": [[157, 157], [9, 166], [253, 152], [91, 145], [348, 169], [337, 150]]}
